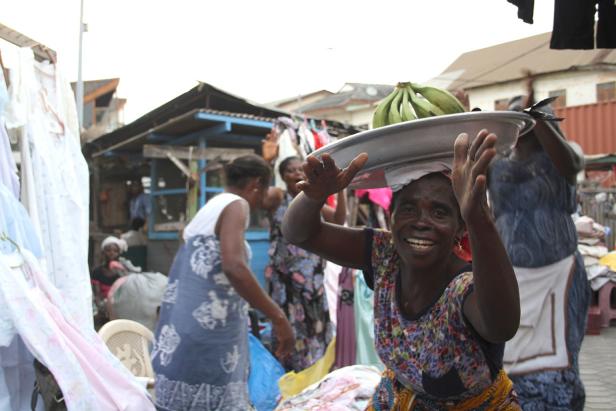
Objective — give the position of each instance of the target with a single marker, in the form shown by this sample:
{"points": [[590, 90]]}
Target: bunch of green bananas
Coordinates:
{"points": [[409, 101]]}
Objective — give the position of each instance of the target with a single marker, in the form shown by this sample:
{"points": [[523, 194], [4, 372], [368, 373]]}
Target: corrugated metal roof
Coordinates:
{"points": [[592, 126], [93, 85], [507, 61], [358, 93], [203, 97]]}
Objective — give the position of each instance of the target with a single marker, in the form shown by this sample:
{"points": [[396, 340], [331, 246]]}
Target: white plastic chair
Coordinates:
{"points": [[129, 342]]}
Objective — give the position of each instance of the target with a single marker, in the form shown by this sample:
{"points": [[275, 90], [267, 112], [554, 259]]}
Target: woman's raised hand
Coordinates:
{"points": [[324, 178], [470, 167]]}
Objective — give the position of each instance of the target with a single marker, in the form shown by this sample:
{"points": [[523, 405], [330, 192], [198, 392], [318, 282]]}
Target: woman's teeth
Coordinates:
{"points": [[419, 243]]}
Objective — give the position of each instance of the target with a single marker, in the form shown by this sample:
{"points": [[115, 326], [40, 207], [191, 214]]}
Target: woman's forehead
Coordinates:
{"points": [[293, 163], [435, 183]]}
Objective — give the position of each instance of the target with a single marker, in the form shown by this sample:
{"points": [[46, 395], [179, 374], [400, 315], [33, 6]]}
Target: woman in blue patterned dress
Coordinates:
{"points": [[440, 325], [296, 276], [200, 352], [532, 191]]}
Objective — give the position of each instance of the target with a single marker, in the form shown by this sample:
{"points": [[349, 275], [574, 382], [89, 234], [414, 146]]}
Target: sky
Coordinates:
{"points": [[262, 50]]}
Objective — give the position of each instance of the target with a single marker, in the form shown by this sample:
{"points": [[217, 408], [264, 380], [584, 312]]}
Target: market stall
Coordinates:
{"points": [[177, 151]]}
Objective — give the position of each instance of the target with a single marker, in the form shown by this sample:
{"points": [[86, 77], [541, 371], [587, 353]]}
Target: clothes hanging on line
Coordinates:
{"points": [[35, 322], [89, 375], [574, 23], [55, 176], [297, 139], [8, 168]]}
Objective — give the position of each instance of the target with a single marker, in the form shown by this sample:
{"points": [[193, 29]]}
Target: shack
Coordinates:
{"points": [[176, 152]]}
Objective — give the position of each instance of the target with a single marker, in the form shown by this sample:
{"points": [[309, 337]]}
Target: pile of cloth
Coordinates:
{"points": [[347, 388], [599, 262]]}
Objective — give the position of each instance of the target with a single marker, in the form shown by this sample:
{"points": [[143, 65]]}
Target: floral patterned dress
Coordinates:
{"points": [[296, 284], [436, 355], [200, 353]]}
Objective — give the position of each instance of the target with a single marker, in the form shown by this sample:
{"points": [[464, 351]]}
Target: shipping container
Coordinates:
{"points": [[592, 126]]}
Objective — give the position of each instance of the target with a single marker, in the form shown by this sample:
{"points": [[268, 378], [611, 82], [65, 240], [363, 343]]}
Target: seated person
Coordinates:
{"points": [[103, 276]]}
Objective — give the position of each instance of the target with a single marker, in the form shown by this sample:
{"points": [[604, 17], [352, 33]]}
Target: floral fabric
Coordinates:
{"points": [[200, 352], [296, 284], [436, 355]]}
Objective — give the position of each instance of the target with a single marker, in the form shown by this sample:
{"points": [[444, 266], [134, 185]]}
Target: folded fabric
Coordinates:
{"points": [[596, 251], [609, 260], [596, 270], [348, 388], [400, 176]]}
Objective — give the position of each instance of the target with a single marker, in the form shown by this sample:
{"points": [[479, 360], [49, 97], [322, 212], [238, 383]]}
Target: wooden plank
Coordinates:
{"points": [[21, 40], [194, 153]]}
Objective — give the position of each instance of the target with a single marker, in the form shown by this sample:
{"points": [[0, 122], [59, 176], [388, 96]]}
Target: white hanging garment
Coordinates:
{"points": [[55, 179], [90, 376], [8, 168]]}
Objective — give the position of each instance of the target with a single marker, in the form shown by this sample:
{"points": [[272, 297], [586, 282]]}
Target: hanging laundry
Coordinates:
{"points": [[55, 176], [8, 168], [363, 309], [574, 23], [380, 196], [345, 325], [35, 322], [306, 138], [90, 377]]}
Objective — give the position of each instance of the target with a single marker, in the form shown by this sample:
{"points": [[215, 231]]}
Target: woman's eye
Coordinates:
{"points": [[440, 212]]}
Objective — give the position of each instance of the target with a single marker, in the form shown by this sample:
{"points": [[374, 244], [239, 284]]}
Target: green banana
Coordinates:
{"points": [[442, 99], [379, 118], [406, 111], [394, 109], [420, 105]]}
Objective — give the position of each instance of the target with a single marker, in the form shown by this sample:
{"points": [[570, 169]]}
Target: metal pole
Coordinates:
{"points": [[79, 78]]}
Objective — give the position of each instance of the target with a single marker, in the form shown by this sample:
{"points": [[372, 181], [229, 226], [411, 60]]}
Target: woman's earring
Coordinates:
{"points": [[459, 244]]}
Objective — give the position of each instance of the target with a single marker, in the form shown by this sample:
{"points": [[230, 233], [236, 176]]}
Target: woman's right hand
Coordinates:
{"points": [[285, 337], [324, 178]]}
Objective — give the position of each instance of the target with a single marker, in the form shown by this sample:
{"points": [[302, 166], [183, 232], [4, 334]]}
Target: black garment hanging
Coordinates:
{"points": [[526, 9], [574, 23]]}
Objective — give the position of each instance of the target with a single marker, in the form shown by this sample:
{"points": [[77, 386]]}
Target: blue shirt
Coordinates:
{"points": [[140, 206]]}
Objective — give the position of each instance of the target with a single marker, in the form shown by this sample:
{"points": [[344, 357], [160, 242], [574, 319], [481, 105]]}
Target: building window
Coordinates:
{"points": [[501, 104], [561, 100], [606, 91]]}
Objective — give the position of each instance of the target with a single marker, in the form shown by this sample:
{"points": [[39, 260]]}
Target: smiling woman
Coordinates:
{"points": [[440, 324], [296, 276]]}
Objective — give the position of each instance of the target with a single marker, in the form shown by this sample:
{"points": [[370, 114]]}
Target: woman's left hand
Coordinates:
{"points": [[470, 167]]}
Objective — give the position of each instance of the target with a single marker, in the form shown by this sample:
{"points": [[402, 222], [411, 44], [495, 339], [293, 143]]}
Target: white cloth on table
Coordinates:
{"points": [[540, 342], [55, 177]]}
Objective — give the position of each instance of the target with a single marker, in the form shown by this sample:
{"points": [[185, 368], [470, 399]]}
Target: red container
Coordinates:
{"points": [[592, 126], [593, 326]]}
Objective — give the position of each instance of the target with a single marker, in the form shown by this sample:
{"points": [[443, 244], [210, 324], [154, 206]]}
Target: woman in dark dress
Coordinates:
{"points": [[532, 191]]}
